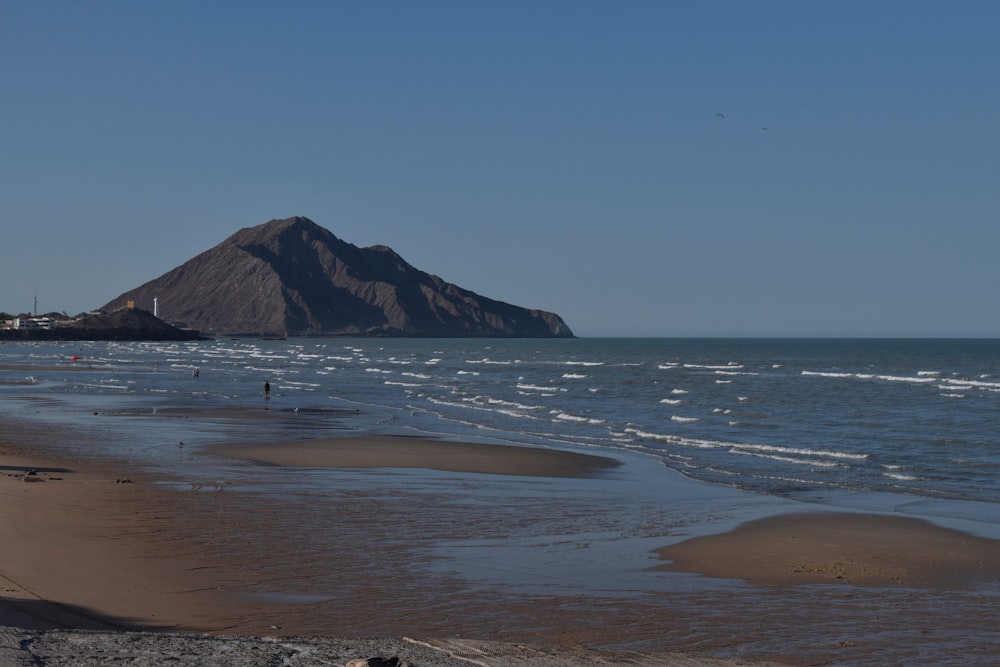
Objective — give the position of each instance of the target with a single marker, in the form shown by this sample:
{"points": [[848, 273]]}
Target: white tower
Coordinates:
{"points": [[156, 306]]}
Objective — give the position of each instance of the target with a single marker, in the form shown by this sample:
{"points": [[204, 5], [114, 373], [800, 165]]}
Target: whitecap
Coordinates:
{"points": [[563, 416]]}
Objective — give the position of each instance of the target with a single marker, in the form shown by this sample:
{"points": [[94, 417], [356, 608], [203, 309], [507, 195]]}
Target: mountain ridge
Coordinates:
{"points": [[294, 277]]}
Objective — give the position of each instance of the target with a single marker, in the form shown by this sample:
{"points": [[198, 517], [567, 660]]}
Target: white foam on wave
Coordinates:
{"points": [[397, 383], [678, 392], [566, 417], [714, 367], [104, 386], [483, 408], [967, 383], [671, 401], [294, 384], [667, 366], [535, 387], [675, 439], [812, 463], [584, 363], [683, 420], [906, 378], [573, 376], [920, 378], [418, 376], [272, 371], [269, 357], [486, 400], [805, 451], [377, 370], [900, 476], [792, 454], [467, 373]]}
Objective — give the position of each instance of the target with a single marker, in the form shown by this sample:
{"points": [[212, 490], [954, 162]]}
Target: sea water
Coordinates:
{"points": [[802, 418]]}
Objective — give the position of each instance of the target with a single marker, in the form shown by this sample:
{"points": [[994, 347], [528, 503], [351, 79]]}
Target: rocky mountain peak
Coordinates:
{"points": [[293, 277]]}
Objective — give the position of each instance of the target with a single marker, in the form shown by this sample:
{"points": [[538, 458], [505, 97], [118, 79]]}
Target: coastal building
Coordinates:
{"points": [[34, 323]]}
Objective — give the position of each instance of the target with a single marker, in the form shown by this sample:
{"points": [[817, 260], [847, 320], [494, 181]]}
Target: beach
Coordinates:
{"points": [[602, 501], [105, 547], [105, 550]]}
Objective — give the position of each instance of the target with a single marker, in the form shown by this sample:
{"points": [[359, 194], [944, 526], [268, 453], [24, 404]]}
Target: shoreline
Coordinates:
{"points": [[148, 556]]}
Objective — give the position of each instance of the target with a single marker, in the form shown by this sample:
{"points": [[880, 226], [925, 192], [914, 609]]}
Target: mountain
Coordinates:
{"points": [[293, 277]]}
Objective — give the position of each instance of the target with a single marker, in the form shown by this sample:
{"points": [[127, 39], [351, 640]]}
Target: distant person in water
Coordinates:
{"points": [[267, 389], [194, 373]]}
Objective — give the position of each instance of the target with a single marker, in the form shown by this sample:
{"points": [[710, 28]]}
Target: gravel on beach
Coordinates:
{"points": [[76, 648]]}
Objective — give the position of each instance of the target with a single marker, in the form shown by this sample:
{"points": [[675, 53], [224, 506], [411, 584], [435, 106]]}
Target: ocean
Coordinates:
{"points": [[801, 418]]}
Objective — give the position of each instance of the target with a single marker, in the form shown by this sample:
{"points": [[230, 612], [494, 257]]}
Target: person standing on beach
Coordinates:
{"points": [[267, 389]]}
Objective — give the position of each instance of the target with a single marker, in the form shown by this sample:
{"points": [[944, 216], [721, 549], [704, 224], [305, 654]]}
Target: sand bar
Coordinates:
{"points": [[405, 452], [841, 548]]}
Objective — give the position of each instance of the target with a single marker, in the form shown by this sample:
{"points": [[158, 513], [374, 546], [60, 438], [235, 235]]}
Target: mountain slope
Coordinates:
{"points": [[292, 277]]}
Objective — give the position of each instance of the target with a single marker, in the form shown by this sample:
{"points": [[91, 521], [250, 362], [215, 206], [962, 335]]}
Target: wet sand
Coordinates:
{"points": [[109, 551], [837, 548], [99, 545], [81, 548], [400, 452]]}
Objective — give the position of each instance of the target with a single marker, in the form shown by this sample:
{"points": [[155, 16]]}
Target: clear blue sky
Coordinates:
{"points": [[557, 155]]}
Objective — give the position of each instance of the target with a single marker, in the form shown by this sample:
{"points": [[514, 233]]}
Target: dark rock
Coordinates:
{"points": [[122, 324], [292, 277]]}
